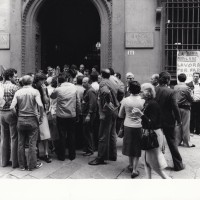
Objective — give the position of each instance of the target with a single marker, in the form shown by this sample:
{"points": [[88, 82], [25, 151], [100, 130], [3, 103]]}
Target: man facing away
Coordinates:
{"points": [[108, 110], [184, 100], [68, 109], [89, 108], [166, 98], [8, 121], [28, 101]]}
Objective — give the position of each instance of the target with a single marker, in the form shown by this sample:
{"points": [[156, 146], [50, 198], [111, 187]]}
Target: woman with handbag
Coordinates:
{"points": [[151, 121], [132, 127]]}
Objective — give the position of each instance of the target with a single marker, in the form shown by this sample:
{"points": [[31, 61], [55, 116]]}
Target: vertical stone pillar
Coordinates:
{"points": [[118, 28], [5, 33], [15, 34]]}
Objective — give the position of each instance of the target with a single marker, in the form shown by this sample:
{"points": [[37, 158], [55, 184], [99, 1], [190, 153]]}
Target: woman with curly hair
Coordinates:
{"points": [[132, 127], [38, 83]]}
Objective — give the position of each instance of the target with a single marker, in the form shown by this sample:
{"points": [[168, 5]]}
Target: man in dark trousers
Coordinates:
{"points": [[170, 116], [108, 110], [89, 109], [195, 108]]}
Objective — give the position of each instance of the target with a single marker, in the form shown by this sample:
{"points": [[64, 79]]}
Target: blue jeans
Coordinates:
{"points": [[9, 138], [27, 128]]}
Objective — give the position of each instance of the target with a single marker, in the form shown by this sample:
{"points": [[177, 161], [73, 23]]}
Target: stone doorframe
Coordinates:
{"points": [[30, 10]]}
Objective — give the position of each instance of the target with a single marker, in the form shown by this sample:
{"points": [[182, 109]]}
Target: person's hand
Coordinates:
{"points": [[87, 119], [137, 112], [178, 123], [40, 120]]}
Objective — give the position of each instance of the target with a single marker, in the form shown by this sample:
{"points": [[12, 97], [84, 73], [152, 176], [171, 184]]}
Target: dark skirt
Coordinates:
{"points": [[132, 142]]}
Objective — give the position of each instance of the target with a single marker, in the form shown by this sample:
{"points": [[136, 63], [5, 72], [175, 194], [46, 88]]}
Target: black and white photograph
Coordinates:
{"points": [[98, 93]]}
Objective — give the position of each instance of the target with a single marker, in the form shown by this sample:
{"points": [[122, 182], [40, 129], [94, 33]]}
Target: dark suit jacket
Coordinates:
{"points": [[191, 85], [166, 98]]}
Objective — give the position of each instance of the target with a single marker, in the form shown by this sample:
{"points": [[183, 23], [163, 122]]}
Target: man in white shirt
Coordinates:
{"points": [[195, 108]]}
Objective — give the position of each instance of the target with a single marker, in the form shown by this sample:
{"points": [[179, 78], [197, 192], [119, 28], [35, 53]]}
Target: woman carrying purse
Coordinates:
{"points": [[151, 119]]}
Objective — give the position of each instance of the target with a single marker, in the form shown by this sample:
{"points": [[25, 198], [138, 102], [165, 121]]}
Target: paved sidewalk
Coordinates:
{"points": [[79, 168]]}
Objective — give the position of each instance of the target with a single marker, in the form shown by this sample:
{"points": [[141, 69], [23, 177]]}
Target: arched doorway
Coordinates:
{"points": [[45, 42]]}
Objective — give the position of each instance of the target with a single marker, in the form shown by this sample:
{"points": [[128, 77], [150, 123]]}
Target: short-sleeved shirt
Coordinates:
{"points": [[27, 100], [9, 92], [126, 108]]}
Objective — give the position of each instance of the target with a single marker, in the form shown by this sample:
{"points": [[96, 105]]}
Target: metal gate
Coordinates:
{"points": [[182, 30]]}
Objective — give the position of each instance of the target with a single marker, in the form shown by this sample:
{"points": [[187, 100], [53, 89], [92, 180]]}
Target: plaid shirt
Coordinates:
{"points": [[9, 92]]}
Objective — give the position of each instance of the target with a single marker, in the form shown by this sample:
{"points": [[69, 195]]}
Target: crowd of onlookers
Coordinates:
{"points": [[79, 109]]}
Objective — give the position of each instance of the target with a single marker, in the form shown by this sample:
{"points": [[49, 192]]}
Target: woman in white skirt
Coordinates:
{"points": [[38, 84], [151, 119]]}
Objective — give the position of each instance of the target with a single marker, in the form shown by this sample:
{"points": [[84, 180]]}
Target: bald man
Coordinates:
{"points": [[89, 109], [28, 100]]}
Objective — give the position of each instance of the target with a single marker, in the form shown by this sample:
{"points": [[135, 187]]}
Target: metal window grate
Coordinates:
{"points": [[182, 30]]}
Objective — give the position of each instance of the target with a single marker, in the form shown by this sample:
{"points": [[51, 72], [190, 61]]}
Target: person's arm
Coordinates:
{"points": [[92, 104], [40, 106], [175, 108], [151, 116], [45, 95], [13, 104], [122, 112], [54, 94], [78, 107]]}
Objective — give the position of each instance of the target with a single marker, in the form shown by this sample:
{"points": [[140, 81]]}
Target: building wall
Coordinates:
{"points": [[140, 16], [4, 29], [118, 30], [128, 16], [15, 39]]}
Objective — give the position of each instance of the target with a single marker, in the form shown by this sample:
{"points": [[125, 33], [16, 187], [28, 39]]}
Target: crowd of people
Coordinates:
{"points": [[78, 109]]}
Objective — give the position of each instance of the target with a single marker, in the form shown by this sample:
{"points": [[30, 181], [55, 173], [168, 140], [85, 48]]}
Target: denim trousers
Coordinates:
{"points": [[9, 138], [107, 138], [28, 128]]}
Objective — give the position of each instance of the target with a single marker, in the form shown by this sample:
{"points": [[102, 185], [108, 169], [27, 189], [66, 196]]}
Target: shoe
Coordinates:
{"points": [[179, 169], [38, 165], [88, 154], [72, 157], [133, 175], [22, 168], [61, 158], [129, 168], [97, 162], [113, 159], [193, 145], [47, 159]]}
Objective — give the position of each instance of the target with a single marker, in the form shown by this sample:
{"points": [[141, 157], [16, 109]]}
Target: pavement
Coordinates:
{"points": [[79, 168]]}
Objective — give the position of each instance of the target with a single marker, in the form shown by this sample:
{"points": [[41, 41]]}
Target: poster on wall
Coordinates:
{"points": [[188, 62]]}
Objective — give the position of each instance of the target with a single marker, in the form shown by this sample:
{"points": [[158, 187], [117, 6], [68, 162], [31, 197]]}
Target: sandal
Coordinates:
{"points": [[133, 175]]}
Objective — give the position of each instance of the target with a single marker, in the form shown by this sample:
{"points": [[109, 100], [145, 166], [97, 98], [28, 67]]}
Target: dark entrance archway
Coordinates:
{"points": [[69, 33], [33, 45]]}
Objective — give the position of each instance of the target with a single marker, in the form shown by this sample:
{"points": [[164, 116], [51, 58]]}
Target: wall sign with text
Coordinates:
{"points": [[188, 62], [139, 40], [4, 41]]}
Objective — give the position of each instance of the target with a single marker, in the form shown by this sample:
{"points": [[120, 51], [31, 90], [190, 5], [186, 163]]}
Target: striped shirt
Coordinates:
{"points": [[9, 92]]}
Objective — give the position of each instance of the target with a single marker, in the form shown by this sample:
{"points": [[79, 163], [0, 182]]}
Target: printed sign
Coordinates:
{"points": [[139, 40], [4, 41], [188, 62]]}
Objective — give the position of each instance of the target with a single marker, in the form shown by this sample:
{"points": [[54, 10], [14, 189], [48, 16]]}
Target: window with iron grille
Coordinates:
{"points": [[182, 30]]}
